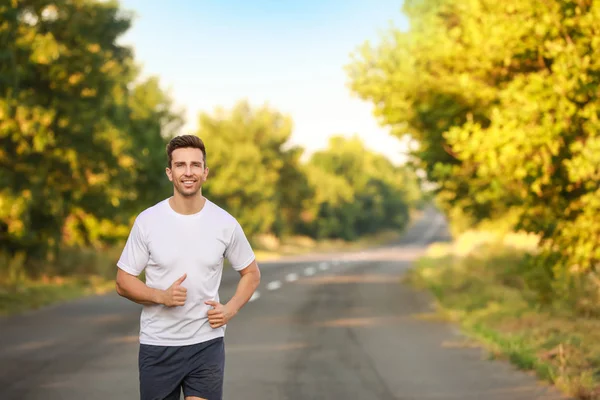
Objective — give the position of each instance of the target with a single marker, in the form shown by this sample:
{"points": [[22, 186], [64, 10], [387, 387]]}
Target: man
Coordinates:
{"points": [[181, 243]]}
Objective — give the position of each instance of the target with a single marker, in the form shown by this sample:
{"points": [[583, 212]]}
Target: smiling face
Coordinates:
{"points": [[187, 171]]}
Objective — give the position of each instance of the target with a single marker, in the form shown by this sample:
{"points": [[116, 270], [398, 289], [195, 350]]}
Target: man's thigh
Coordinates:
{"points": [[161, 370], [205, 375]]}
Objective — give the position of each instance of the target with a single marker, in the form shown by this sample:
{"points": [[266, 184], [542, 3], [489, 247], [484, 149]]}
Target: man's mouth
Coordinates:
{"points": [[188, 183]]}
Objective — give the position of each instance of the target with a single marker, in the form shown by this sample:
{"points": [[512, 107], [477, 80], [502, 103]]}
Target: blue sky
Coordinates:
{"points": [[287, 54]]}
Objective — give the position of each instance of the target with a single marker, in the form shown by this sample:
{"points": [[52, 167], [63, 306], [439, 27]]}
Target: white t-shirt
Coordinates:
{"points": [[167, 245]]}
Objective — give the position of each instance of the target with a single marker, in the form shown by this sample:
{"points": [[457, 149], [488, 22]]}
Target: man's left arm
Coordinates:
{"points": [[249, 281]]}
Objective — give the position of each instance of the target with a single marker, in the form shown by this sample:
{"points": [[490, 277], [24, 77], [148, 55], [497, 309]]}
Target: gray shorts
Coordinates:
{"points": [[198, 369]]}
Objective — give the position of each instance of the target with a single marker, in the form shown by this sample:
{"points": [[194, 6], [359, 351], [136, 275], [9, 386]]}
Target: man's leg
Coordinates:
{"points": [[161, 372], [206, 371]]}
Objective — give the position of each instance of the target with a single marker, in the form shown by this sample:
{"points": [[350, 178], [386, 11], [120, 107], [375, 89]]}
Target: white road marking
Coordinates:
{"points": [[291, 277], [309, 271], [273, 285], [323, 266], [255, 296]]}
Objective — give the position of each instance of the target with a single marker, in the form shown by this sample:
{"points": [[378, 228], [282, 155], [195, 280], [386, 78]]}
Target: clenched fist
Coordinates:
{"points": [[176, 294], [219, 315]]}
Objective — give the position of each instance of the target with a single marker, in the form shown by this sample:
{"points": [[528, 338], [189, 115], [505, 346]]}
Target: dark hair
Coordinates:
{"points": [[183, 141]]}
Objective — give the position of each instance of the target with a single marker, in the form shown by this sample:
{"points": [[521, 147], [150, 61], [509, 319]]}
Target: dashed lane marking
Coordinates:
{"points": [[273, 285]]}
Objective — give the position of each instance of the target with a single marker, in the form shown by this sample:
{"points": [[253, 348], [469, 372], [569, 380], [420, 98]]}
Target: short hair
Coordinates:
{"points": [[183, 141]]}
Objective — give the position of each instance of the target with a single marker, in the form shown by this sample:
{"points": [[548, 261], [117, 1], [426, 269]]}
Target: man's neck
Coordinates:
{"points": [[187, 205]]}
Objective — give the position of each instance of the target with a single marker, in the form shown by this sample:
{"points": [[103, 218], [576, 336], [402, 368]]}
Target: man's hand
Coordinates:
{"points": [[176, 294], [219, 315]]}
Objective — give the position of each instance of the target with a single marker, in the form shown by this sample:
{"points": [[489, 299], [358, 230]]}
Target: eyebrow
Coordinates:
{"points": [[183, 162]]}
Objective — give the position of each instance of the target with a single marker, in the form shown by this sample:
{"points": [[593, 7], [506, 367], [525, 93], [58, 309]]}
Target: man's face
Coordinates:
{"points": [[187, 171]]}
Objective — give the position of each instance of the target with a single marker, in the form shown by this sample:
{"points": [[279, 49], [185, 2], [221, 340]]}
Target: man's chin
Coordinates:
{"points": [[188, 193]]}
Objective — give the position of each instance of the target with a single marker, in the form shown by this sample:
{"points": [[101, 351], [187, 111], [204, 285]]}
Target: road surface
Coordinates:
{"points": [[338, 326]]}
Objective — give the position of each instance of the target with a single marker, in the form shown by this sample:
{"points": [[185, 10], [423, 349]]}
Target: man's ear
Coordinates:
{"points": [[169, 173]]}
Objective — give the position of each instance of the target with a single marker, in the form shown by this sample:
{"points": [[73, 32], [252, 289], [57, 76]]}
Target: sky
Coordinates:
{"points": [[289, 55]]}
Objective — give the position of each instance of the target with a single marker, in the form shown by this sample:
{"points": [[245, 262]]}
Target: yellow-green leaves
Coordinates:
{"points": [[247, 159], [66, 132], [504, 100], [44, 48], [358, 191]]}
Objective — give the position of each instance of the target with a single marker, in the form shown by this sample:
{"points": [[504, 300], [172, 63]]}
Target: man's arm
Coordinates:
{"points": [[249, 281], [130, 287]]}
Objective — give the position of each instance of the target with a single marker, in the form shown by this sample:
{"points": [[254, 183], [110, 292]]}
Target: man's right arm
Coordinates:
{"points": [[130, 287]]}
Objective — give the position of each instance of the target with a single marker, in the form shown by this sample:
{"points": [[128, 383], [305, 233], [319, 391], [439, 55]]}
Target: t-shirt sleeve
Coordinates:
{"points": [[239, 252], [135, 254]]}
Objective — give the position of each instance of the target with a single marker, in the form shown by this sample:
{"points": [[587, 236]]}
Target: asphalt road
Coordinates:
{"points": [[338, 326]]}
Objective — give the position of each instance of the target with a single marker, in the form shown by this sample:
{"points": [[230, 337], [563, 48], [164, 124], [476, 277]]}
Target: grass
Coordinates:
{"points": [[269, 248], [31, 295], [78, 273], [479, 286]]}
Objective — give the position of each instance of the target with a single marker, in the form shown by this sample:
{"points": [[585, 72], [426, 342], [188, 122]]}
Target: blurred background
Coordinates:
{"points": [[93, 90], [328, 125]]}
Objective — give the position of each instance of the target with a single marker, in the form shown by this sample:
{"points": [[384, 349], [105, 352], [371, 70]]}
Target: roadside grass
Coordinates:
{"points": [[477, 283], [78, 273], [31, 295], [269, 248]]}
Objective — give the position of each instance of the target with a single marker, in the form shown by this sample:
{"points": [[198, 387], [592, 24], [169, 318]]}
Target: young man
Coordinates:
{"points": [[181, 243]]}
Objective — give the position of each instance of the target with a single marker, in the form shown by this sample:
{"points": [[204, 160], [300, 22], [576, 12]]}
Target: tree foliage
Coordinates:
{"points": [[252, 174], [503, 99], [358, 191], [78, 135]]}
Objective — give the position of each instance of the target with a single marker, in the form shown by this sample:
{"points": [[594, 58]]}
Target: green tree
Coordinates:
{"points": [[252, 172], [294, 193], [73, 126], [151, 123], [503, 100], [359, 191]]}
